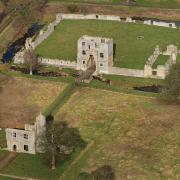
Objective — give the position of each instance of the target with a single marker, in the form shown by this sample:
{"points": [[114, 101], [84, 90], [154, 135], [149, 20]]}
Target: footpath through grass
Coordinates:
{"points": [[60, 100], [130, 52]]}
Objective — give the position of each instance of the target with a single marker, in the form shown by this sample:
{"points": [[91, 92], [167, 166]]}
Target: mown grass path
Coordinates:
{"points": [[7, 159]]}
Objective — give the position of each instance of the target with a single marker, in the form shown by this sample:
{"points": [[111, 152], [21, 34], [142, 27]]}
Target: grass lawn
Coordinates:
{"points": [[148, 3], [138, 136], [161, 60], [2, 138], [131, 52], [32, 166]]}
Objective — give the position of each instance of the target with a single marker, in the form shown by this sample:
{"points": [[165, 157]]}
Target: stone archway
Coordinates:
{"points": [[14, 147], [91, 62]]}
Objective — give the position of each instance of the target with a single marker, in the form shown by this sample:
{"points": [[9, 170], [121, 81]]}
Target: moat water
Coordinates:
{"points": [[19, 43]]}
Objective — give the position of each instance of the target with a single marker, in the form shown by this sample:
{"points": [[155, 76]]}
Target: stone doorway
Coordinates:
{"points": [[14, 147], [91, 63]]}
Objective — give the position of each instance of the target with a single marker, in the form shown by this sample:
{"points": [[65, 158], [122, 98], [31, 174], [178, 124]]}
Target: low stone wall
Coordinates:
{"points": [[58, 63], [88, 16], [160, 23], [126, 72], [19, 59]]}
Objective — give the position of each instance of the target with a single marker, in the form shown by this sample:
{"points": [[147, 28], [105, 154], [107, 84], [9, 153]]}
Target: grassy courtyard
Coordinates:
{"points": [[131, 51], [138, 136]]}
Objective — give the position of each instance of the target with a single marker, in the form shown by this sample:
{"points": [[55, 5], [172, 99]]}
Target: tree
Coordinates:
{"points": [[171, 90], [59, 141], [30, 60]]}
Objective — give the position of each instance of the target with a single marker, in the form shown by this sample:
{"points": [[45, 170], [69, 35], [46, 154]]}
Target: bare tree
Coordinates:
{"points": [[31, 61]]}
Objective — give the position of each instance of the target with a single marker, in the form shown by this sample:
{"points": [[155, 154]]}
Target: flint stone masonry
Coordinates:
{"points": [[96, 51], [26, 140]]}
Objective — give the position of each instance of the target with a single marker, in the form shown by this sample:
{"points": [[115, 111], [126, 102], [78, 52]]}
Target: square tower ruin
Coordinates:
{"points": [[95, 51]]}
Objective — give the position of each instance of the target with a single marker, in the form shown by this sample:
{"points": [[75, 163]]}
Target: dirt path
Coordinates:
{"points": [[6, 160]]}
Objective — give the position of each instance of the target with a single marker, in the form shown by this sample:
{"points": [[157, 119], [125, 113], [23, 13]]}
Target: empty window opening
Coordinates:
{"points": [[101, 64], [102, 40], [83, 52], [26, 148], [84, 62], [14, 147], [25, 136], [14, 134], [83, 43], [154, 73], [101, 55], [89, 47]]}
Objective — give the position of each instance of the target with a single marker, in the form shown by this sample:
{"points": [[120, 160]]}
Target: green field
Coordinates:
{"points": [[138, 136], [149, 3], [131, 51]]}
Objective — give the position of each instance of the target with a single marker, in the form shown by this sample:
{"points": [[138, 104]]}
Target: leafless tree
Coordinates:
{"points": [[31, 61]]}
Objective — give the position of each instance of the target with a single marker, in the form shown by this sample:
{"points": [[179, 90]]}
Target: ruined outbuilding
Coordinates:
{"points": [[26, 140]]}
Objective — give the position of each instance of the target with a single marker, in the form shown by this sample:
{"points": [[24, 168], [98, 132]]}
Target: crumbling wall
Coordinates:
{"points": [[126, 72]]}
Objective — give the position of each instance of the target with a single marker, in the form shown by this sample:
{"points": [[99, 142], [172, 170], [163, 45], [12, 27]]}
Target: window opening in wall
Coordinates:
{"points": [[83, 43], [97, 16], [25, 136], [83, 52], [26, 148], [95, 45], [102, 40], [154, 73], [101, 55], [84, 62], [14, 134], [89, 47], [101, 64]]}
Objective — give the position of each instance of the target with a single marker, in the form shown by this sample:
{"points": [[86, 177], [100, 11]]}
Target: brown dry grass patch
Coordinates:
{"points": [[22, 99]]}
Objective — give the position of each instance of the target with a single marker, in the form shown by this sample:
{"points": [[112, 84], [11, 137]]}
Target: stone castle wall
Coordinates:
{"points": [[161, 71], [58, 63], [126, 72]]}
